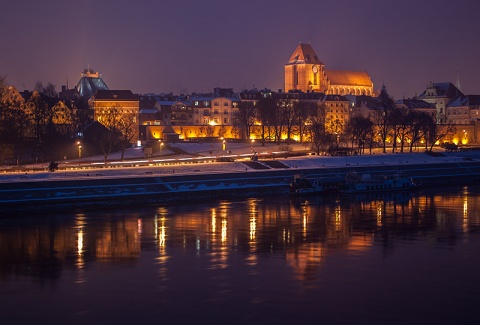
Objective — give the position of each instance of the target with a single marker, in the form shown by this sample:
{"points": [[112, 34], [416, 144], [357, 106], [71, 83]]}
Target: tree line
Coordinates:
{"points": [[37, 127], [385, 126]]}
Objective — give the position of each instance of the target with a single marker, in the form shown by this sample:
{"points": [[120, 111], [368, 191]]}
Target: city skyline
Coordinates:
{"points": [[194, 46]]}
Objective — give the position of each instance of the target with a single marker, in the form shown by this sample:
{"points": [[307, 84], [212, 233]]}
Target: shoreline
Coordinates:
{"points": [[158, 184]]}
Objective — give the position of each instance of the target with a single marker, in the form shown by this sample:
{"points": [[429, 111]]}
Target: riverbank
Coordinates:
{"points": [[164, 183]]}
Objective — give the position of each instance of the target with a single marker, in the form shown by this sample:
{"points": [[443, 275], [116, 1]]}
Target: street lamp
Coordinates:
{"points": [[224, 145], [251, 144], [161, 147], [79, 149]]}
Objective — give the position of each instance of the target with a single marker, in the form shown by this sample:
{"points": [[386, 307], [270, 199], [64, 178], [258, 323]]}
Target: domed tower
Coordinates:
{"points": [[89, 83]]}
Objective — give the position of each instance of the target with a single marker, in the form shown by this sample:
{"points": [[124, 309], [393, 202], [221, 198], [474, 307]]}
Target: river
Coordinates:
{"points": [[385, 259]]}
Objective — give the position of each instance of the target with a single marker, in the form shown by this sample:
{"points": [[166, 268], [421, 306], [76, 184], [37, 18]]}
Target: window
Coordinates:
{"points": [[205, 120], [196, 103], [225, 103], [215, 120], [225, 120], [215, 103], [225, 111]]}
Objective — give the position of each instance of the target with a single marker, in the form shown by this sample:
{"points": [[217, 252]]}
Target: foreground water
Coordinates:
{"points": [[393, 259]]}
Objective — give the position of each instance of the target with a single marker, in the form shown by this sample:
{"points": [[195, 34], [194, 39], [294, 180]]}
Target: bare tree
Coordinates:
{"points": [[360, 128], [439, 131], [122, 128], [13, 121], [400, 120], [419, 124], [127, 129], [246, 117], [315, 128], [267, 110], [382, 118]]}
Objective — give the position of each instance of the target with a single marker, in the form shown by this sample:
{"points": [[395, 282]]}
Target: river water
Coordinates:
{"points": [[389, 259]]}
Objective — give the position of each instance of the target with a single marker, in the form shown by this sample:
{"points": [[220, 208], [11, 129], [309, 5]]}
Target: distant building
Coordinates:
{"points": [[362, 106], [337, 113], [440, 95], [194, 116], [464, 109], [417, 105], [304, 71], [90, 81], [117, 104]]}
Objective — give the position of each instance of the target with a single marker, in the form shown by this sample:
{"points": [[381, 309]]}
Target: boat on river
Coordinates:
{"points": [[303, 186], [362, 183]]}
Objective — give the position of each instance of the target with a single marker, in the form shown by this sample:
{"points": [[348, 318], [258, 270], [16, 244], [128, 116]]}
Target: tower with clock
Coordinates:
{"points": [[305, 72]]}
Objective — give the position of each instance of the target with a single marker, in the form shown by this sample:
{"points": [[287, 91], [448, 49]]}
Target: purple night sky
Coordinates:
{"points": [[194, 45]]}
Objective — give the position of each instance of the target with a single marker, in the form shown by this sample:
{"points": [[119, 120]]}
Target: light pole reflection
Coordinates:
{"points": [[80, 262]]}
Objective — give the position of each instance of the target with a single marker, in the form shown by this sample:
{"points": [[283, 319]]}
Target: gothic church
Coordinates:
{"points": [[304, 71]]}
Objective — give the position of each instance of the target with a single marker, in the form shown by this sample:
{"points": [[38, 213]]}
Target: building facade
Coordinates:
{"points": [[304, 71], [116, 106]]}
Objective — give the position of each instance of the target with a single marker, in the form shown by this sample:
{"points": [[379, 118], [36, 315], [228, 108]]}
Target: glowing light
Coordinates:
{"points": [[253, 228], [214, 221], [80, 225], [80, 242], [224, 230], [162, 236], [379, 214], [338, 218]]}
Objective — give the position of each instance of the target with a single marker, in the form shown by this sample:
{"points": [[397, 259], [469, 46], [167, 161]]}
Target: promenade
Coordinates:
{"points": [[202, 158]]}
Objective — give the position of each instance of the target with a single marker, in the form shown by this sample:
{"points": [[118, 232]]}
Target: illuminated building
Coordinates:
{"points": [[304, 71], [90, 81], [440, 95], [417, 105], [108, 105], [464, 109], [196, 115]]}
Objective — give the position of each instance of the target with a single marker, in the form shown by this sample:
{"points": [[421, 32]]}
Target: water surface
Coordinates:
{"points": [[384, 259]]}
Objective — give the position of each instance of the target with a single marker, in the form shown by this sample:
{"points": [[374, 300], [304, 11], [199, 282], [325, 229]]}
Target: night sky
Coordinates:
{"points": [[185, 46]]}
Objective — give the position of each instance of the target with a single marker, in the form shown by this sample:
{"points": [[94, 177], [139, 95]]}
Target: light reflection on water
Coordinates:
{"points": [[393, 259]]}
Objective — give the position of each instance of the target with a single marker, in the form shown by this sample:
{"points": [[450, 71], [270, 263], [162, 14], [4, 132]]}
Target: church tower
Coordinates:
{"points": [[304, 71]]}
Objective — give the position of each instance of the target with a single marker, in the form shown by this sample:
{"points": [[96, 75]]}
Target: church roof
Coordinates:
{"points": [[348, 78], [304, 53]]}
